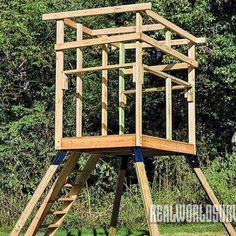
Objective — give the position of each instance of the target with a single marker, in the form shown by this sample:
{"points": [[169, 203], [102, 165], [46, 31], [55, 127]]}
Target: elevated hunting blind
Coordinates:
{"points": [[135, 39]]}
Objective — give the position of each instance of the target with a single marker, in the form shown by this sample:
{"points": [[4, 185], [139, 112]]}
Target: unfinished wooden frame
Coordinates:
{"points": [[125, 38]]}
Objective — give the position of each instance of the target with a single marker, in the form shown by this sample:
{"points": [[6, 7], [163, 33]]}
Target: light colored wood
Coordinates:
{"points": [[146, 196], [191, 102], [119, 190], [170, 145], [97, 41], [117, 143], [202, 179], [171, 26], [121, 90], [127, 29], [59, 86], [158, 89], [97, 11], [92, 142], [168, 50], [60, 182], [139, 78], [73, 24], [79, 84], [98, 68], [168, 85], [167, 67], [165, 76], [173, 42], [104, 90], [73, 193], [34, 199]]}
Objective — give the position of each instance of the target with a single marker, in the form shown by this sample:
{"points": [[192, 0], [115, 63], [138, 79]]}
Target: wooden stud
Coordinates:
{"points": [[202, 179], [79, 85], [191, 103], [138, 83], [121, 90], [119, 190], [59, 87], [168, 97], [104, 89], [168, 50], [98, 11], [97, 41]]}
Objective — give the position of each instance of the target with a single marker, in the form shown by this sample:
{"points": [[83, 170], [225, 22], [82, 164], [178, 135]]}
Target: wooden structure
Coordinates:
{"points": [[124, 38]]}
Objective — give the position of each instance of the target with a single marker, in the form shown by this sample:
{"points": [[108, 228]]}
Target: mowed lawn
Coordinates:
{"points": [[203, 229]]}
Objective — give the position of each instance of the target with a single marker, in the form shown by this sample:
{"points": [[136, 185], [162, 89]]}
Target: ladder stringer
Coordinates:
{"points": [[72, 195], [53, 194], [38, 193]]}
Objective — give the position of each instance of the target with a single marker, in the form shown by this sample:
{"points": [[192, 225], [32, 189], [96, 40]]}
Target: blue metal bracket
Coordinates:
{"points": [[59, 157], [193, 161], [138, 154]]}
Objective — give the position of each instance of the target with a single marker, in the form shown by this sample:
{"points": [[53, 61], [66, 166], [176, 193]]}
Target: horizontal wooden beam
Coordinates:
{"points": [[173, 42], [73, 25], [166, 67], [98, 11], [158, 89], [165, 76], [127, 29], [98, 41], [171, 26], [99, 68], [168, 50]]}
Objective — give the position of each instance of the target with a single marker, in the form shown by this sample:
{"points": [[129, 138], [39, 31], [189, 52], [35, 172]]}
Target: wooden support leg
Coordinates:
{"points": [[38, 192], [119, 190], [202, 179], [145, 190]]}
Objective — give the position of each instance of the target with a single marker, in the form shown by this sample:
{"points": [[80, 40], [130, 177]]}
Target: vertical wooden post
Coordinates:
{"points": [[191, 98], [121, 90], [104, 89], [59, 86], [168, 97], [138, 82], [79, 85]]}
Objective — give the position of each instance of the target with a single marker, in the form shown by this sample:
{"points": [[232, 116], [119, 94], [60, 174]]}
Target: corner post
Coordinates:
{"points": [[59, 86], [104, 89], [79, 84], [122, 97], [168, 96], [191, 98], [138, 81]]}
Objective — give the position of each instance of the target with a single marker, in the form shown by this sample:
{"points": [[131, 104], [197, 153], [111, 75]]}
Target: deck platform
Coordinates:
{"points": [[122, 145]]}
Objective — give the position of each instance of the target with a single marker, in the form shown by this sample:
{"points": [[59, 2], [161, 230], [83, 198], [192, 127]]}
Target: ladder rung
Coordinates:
{"points": [[68, 186], [58, 212], [66, 199]]}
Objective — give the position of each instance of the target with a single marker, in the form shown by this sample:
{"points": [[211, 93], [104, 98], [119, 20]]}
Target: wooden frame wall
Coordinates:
{"points": [[125, 38]]}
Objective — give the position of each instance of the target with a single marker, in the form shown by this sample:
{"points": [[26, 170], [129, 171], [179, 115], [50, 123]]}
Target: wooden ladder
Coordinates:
{"points": [[54, 196]]}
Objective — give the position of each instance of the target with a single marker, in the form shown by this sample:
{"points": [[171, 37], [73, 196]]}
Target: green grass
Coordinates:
{"points": [[198, 229]]}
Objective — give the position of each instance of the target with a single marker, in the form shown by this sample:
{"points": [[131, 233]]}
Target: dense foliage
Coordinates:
{"points": [[27, 69]]}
